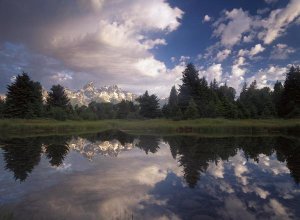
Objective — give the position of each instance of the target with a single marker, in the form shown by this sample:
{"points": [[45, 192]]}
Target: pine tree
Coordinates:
{"points": [[58, 98], [192, 111], [277, 95], [149, 105], [190, 86], [24, 98], [290, 103], [173, 98], [2, 106], [172, 107]]}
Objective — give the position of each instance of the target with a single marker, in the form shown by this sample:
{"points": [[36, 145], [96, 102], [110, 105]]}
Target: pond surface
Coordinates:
{"points": [[114, 175]]}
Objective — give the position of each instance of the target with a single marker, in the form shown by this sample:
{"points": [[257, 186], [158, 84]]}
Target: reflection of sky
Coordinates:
{"points": [[151, 187]]}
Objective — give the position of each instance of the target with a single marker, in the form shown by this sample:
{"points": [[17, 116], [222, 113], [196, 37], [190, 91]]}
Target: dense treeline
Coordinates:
{"points": [[198, 99], [195, 98]]}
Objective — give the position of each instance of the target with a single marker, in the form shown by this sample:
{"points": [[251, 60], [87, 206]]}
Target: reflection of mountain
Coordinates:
{"points": [[107, 148], [194, 154]]}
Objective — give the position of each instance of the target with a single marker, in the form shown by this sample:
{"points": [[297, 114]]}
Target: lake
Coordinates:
{"points": [[115, 175]]}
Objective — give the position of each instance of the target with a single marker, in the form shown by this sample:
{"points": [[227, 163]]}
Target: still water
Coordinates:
{"points": [[114, 175]]}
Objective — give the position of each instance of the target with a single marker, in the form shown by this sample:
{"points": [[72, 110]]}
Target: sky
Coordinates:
{"points": [[144, 45]]}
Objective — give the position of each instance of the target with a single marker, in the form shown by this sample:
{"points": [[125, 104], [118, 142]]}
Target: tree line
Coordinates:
{"points": [[195, 98]]}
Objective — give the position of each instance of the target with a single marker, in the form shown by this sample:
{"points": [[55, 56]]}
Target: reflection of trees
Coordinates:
{"points": [[56, 149], [195, 153], [253, 146], [21, 156], [288, 150], [148, 144]]}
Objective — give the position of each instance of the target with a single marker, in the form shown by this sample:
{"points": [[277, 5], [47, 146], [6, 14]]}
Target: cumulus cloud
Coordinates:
{"points": [[238, 71], [267, 77], [258, 48], [279, 19], [214, 71], [206, 18], [270, 1], [231, 27], [61, 76], [91, 41], [281, 52], [222, 55]]}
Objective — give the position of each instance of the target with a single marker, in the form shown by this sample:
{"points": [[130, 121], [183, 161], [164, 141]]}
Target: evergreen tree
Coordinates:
{"points": [[178, 115], [290, 103], [125, 109], [171, 109], [24, 98], [173, 98], [57, 97], [192, 111], [149, 105], [190, 86], [2, 106], [277, 95]]}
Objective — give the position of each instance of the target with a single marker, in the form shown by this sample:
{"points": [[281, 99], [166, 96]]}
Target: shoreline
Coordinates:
{"points": [[45, 127]]}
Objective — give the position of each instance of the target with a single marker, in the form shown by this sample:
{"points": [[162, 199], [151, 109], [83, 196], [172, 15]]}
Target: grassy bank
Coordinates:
{"points": [[18, 127]]}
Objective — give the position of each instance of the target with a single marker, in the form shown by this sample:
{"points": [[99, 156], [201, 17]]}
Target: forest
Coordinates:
{"points": [[195, 98]]}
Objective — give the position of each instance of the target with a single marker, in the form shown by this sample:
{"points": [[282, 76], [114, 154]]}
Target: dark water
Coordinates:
{"points": [[113, 175]]}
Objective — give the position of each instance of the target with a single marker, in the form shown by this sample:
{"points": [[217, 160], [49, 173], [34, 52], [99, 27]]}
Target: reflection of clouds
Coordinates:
{"points": [[240, 168], [151, 175], [262, 193], [217, 170], [64, 167], [271, 164], [110, 189], [235, 209], [278, 209], [150, 187]]}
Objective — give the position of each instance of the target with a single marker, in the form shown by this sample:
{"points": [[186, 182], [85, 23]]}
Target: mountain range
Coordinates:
{"points": [[90, 92]]}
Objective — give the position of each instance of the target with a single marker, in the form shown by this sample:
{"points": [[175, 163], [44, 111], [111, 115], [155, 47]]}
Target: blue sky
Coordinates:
{"points": [[141, 45]]}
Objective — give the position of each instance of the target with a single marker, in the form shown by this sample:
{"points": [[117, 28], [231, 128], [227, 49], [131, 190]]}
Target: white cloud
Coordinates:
{"points": [[248, 38], [184, 59], [109, 41], [258, 48], [267, 77], [222, 55], [279, 19], [150, 67], [214, 71], [206, 18], [270, 1], [232, 26], [238, 71], [262, 11], [281, 52], [61, 76]]}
